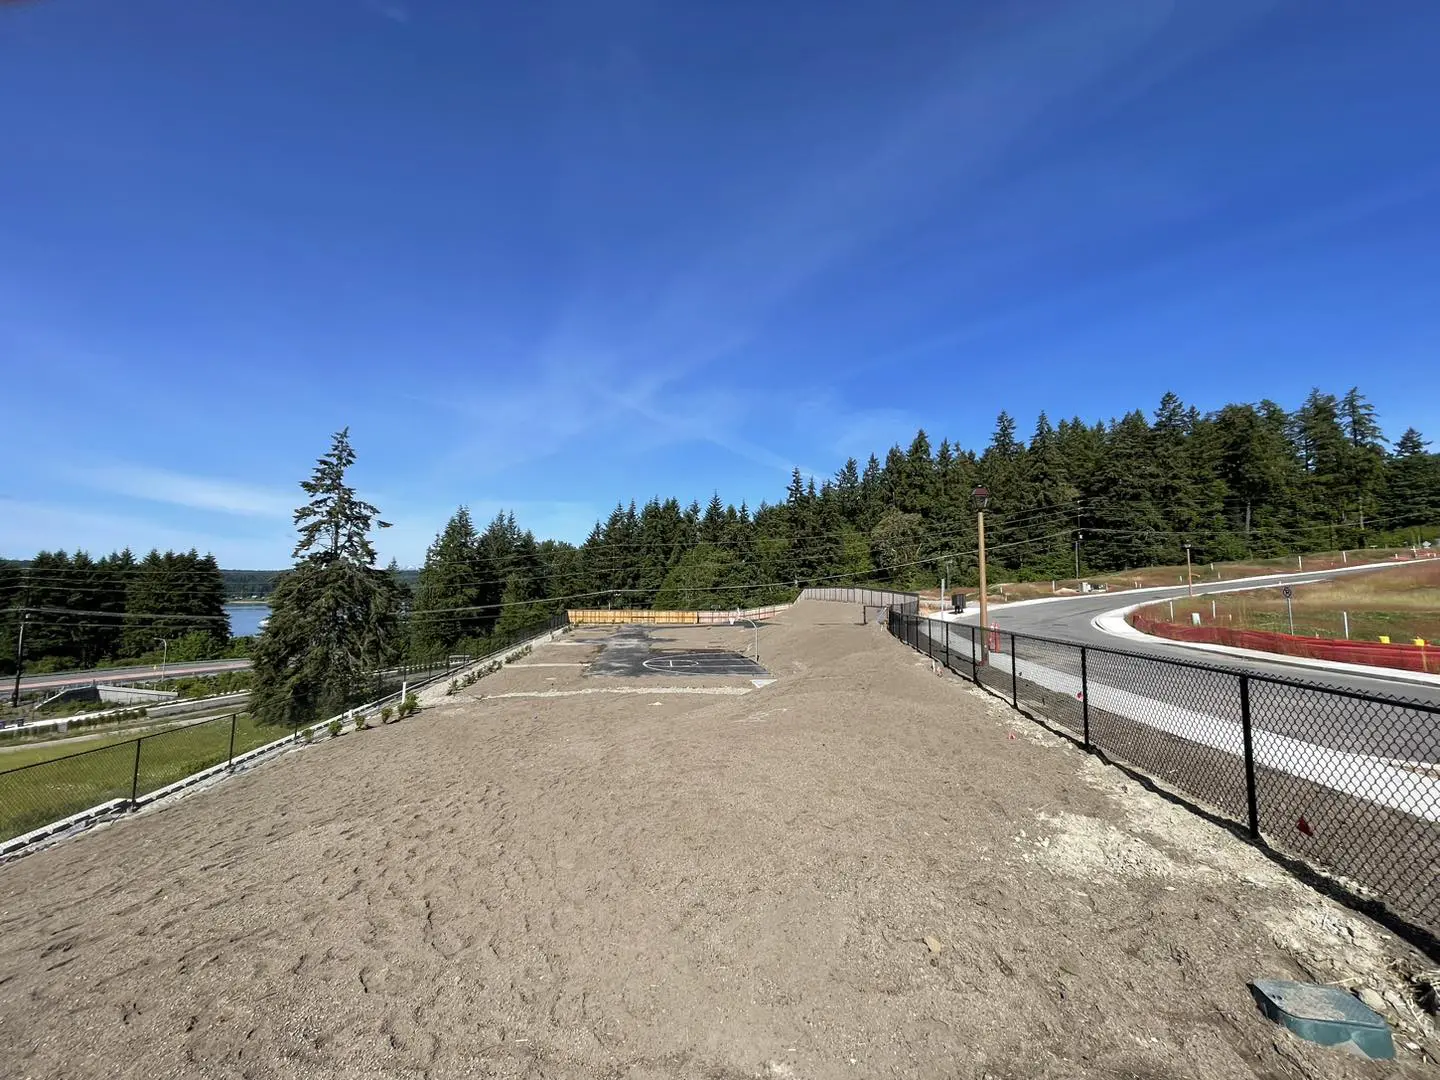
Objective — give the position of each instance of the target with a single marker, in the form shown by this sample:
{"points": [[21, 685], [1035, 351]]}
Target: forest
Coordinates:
{"points": [[82, 611], [1243, 481]]}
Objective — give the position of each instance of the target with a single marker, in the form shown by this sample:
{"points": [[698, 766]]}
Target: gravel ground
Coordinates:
{"points": [[862, 869]]}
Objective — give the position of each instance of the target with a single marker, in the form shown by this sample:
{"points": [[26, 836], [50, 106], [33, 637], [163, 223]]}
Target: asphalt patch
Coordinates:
{"points": [[631, 654]]}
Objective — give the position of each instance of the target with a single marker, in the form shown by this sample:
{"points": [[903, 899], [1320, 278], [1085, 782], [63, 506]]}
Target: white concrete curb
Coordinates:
{"points": [[1240, 585], [1114, 624]]}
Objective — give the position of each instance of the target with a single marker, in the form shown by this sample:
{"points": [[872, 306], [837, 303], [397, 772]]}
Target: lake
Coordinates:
{"points": [[245, 618]]}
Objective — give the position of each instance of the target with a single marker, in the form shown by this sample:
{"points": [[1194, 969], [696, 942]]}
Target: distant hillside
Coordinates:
{"points": [[257, 584]]}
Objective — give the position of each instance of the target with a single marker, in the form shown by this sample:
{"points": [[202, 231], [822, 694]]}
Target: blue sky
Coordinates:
{"points": [[550, 256]]}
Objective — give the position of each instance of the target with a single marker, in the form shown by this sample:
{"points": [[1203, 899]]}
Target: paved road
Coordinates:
{"points": [[119, 675], [1071, 620]]}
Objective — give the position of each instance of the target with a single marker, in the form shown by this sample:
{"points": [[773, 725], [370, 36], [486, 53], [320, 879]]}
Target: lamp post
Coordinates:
{"points": [[981, 498], [1189, 574], [1078, 537], [19, 661], [164, 657]]}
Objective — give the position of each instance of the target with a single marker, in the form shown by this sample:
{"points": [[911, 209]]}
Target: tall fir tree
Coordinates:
{"points": [[334, 616]]}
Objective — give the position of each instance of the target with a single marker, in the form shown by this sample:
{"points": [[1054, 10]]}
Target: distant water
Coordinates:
{"points": [[245, 618]]}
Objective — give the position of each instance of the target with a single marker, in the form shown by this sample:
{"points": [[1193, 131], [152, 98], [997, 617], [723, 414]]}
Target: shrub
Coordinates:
{"points": [[362, 722], [385, 714], [454, 687], [306, 734], [333, 727], [409, 706]]}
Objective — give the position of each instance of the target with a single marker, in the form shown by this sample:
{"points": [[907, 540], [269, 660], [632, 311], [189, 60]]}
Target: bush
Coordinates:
{"points": [[362, 722], [454, 687], [305, 734], [333, 727], [409, 706], [385, 714]]}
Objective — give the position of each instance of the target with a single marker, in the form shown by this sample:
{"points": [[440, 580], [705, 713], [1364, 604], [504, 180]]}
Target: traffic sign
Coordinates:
{"points": [[1287, 592]]}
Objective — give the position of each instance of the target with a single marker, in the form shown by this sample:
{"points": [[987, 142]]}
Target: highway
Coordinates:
{"points": [[59, 680]]}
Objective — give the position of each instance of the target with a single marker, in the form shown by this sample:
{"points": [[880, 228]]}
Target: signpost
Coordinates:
{"points": [[1289, 595]]}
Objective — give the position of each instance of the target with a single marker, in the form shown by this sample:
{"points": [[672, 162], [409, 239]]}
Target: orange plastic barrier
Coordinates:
{"points": [[1402, 657]]}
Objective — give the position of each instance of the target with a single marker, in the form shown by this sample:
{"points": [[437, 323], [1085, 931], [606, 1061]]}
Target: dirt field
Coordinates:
{"points": [[862, 869]]}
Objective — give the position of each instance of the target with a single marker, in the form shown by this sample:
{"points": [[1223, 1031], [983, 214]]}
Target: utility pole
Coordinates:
{"points": [[164, 658], [1078, 537], [19, 661], [981, 496], [1189, 573]]}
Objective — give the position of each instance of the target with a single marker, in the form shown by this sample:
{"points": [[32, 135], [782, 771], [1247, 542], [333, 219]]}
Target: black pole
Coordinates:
{"points": [[1014, 676], [1251, 796], [135, 777], [947, 646], [1085, 696], [233, 717], [974, 657]]}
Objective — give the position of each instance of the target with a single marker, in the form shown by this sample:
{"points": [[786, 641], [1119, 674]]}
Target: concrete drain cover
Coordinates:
{"points": [[1326, 1015]]}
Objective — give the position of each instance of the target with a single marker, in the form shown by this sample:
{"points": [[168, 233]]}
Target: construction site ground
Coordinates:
{"points": [[859, 869]]}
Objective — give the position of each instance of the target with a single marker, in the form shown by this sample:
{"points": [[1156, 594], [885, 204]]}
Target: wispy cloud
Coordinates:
{"points": [[194, 492], [27, 526]]}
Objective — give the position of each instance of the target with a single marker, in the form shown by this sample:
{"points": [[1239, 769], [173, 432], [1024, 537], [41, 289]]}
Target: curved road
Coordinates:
{"points": [[59, 680], [1071, 619]]}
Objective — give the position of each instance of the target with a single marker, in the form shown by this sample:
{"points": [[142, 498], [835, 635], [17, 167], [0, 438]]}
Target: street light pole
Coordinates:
{"points": [[164, 658], [981, 496], [1078, 537], [1189, 573], [19, 661]]}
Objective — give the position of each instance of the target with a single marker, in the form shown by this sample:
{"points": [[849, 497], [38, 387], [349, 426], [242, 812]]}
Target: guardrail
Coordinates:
{"points": [[48, 797], [1346, 782]]}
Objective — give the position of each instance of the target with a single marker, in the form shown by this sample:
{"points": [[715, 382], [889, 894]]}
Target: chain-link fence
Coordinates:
{"points": [[1345, 781]]}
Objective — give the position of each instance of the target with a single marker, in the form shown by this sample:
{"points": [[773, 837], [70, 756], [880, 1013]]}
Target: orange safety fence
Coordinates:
{"points": [[1425, 658]]}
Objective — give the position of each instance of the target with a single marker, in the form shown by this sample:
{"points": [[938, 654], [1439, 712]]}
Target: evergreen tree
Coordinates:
{"points": [[450, 592], [333, 616]]}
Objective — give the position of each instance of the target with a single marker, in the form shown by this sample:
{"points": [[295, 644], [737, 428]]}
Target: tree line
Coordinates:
{"points": [[1243, 481], [84, 611]]}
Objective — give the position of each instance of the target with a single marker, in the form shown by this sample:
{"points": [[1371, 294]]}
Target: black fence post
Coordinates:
{"points": [[974, 657], [1251, 796], [947, 648], [1085, 696], [1014, 675], [135, 777], [230, 761]]}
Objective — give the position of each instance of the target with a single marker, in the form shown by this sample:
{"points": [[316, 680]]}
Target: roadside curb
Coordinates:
{"points": [[1113, 623]]}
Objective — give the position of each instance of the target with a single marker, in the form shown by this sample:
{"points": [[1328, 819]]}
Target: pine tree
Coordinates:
{"points": [[449, 596], [333, 617]]}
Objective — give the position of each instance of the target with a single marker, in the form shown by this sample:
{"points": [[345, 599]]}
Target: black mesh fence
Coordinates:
{"points": [[47, 791], [1345, 781]]}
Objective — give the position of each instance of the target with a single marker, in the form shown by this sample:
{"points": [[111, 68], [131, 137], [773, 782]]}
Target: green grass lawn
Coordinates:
{"points": [[53, 786]]}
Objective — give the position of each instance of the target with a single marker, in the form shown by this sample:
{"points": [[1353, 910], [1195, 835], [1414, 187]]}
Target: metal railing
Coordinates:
{"points": [[907, 603], [1348, 783], [46, 797]]}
